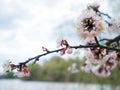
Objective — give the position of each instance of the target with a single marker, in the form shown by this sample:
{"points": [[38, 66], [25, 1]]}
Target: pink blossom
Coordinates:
{"points": [[93, 33], [100, 71], [62, 42], [44, 49], [21, 74], [90, 23], [96, 57], [24, 72], [66, 48], [69, 50], [115, 25], [94, 6], [87, 67], [98, 53], [73, 68], [110, 64], [113, 55], [62, 52]]}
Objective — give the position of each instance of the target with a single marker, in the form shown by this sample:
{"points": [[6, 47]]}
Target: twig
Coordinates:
{"points": [[109, 24], [96, 40], [101, 13]]}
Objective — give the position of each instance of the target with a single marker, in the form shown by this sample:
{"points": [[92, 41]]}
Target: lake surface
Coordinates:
{"points": [[15, 84]]}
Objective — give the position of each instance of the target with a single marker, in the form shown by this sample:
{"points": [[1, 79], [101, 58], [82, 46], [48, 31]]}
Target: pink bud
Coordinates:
{"points": [[64, 42], [62, 52], [44, 49]]}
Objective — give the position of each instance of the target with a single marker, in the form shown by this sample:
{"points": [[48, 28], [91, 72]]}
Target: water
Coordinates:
{"points": [[15, 84]]}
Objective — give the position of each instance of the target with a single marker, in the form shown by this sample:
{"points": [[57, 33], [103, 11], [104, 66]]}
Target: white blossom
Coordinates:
{"points": [[21, 74], [7, 66], [69, 50], [100, 71], [73, 68], [87, 67]]}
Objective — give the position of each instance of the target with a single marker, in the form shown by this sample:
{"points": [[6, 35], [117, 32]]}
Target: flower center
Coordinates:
{"points": [[89, 24]]}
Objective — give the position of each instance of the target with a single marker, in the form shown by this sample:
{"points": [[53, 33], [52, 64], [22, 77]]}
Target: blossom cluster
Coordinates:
{"points": [[22, 71], [66, 47], [100, 62], [90, 25]]}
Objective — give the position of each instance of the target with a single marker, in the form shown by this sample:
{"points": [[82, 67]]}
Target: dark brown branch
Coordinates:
{"points": [[38, 56], [109, 24], [104, 40], [97, 42], [101, 13], [91, 46], [75, 47], [116, 39], [109, 41]]}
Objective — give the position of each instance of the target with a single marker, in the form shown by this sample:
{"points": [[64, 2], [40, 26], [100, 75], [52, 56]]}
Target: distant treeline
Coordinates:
{"points": [[56, 69]]}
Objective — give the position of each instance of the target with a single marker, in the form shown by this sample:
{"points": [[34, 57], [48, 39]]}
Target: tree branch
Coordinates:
{"points": [[110, 41], [75, 47], [116, 39]]}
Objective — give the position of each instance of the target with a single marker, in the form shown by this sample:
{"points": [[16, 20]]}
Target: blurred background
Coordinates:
{"points": [[27, 25]]}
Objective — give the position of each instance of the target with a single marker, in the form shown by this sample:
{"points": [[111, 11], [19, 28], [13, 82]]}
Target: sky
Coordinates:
{"points": [[27, 25]]}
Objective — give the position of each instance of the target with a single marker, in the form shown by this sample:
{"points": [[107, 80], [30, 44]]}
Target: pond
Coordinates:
{"points": [[15, 84]]}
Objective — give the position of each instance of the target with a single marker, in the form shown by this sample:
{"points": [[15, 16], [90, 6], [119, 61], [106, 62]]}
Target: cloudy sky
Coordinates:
{"points": [[27, 25]]}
